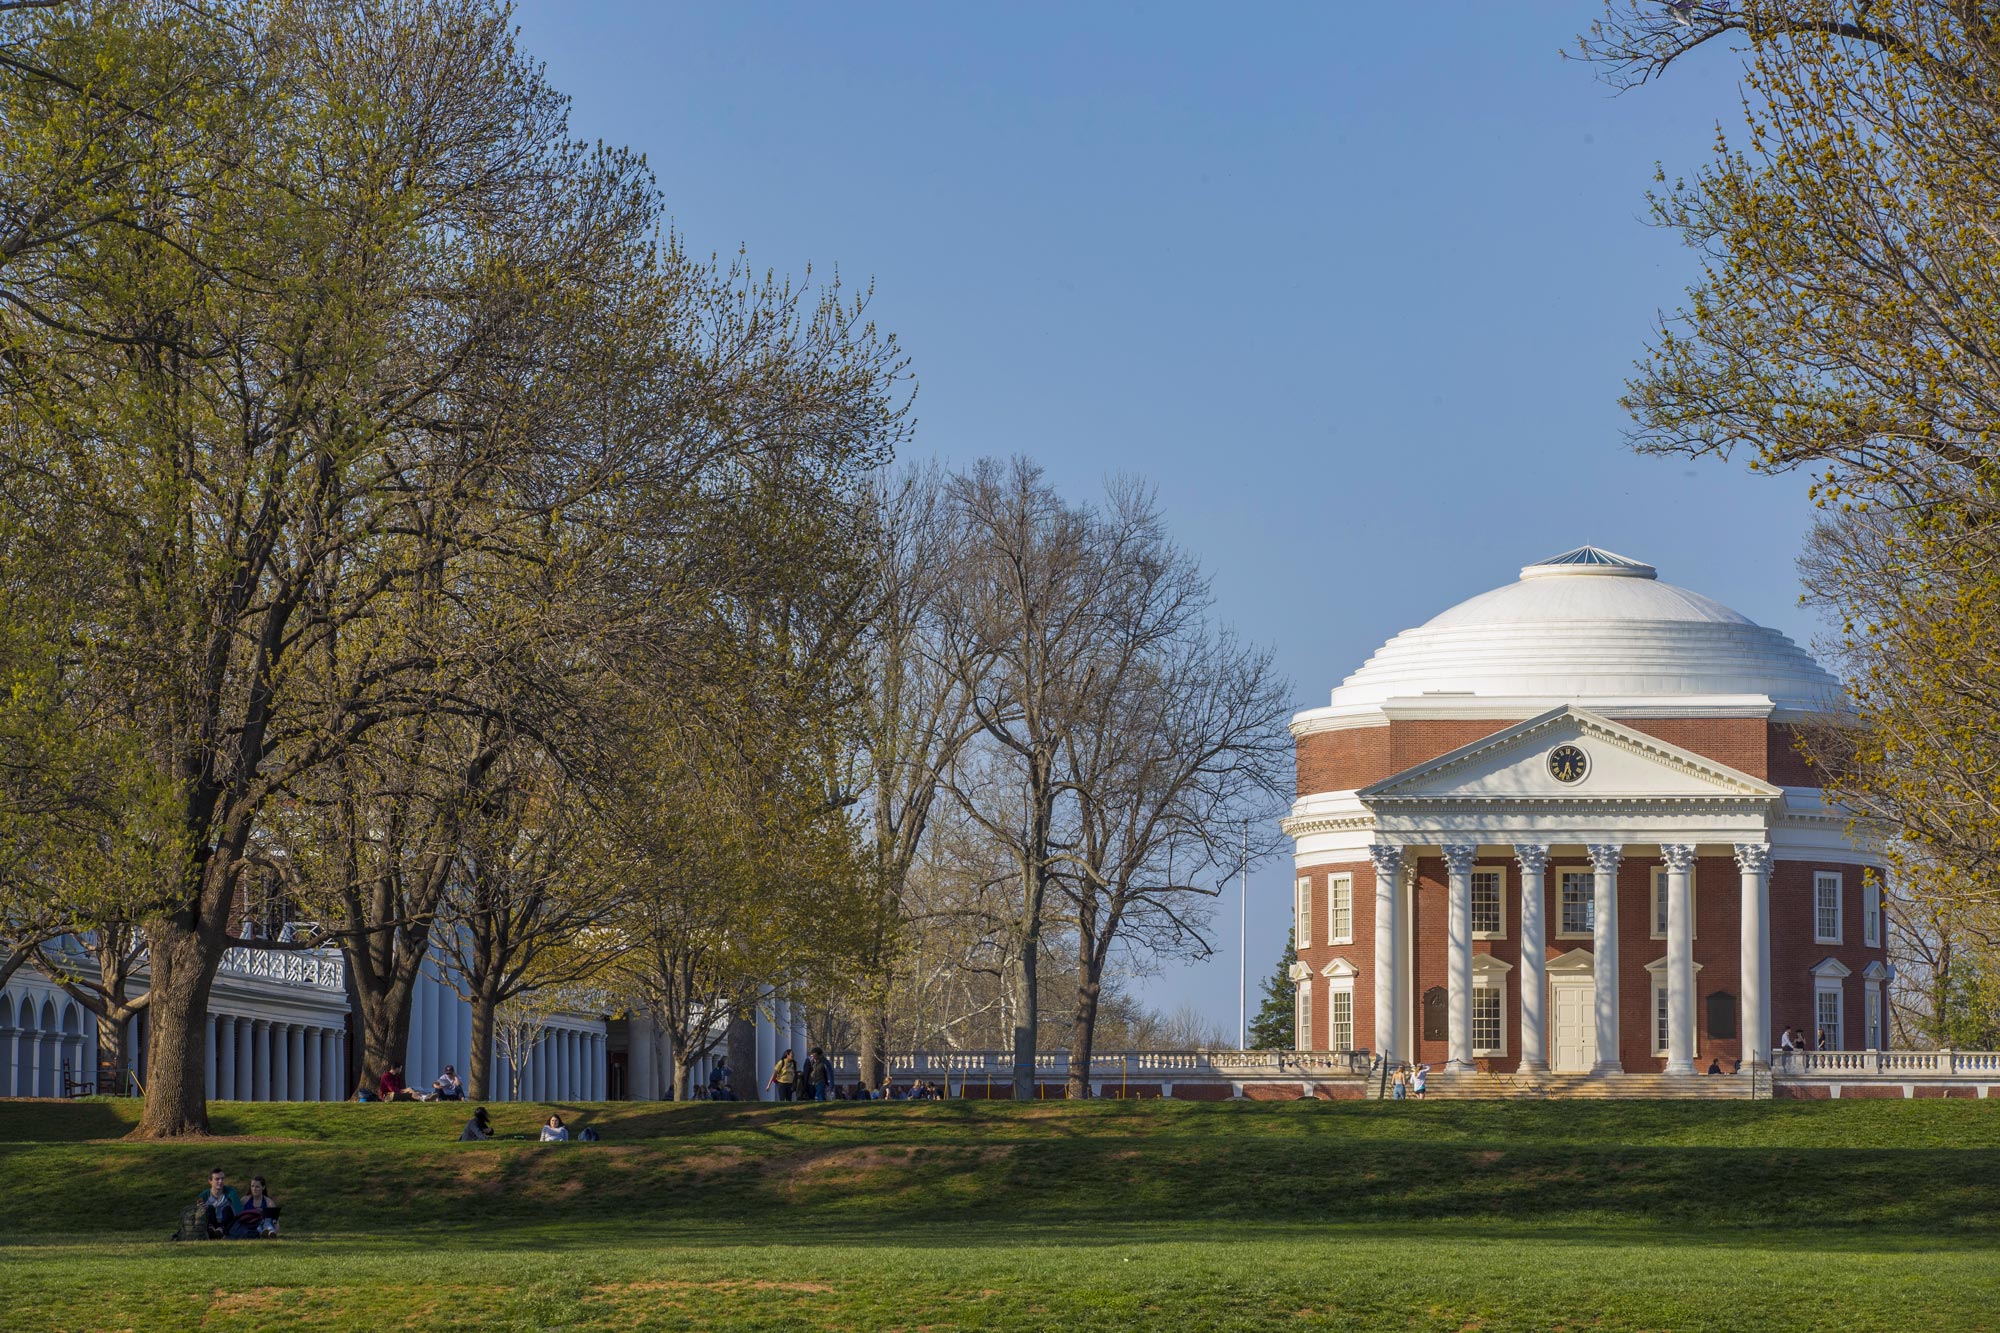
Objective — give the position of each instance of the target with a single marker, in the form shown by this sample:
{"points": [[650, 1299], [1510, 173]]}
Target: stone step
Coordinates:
{"points": [[1679, 1087]]}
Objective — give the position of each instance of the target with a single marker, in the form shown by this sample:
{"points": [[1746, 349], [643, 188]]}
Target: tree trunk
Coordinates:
{"points": [[111, 1052], [874, 1041], [1083, 1027], [384, 1020], [742, 1047], [683, 1076], [176, 1087], [479, 1061], [1023, 976]]}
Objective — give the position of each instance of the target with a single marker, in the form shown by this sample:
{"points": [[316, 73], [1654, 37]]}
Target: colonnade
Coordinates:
{"points": [[1393, 862], [567, 1064], [39, 1039], [274, 1060]]}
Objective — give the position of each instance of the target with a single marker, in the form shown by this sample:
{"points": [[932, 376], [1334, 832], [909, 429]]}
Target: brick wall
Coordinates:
{"points": [[1794, 952], [1361, 952], [1355, 757]]}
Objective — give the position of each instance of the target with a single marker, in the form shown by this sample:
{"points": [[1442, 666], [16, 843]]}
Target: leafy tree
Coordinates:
{"points": [[1274, 1027]]}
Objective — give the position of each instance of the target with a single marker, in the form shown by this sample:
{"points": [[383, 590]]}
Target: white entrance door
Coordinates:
{"points": [[1576, 1026]]}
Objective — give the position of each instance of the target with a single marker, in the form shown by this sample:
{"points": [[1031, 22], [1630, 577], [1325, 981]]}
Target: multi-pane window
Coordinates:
{"points": [[1486, 1028], [1579, 902], [1874, 1018], [1662, 1028], [1871, 911], [1486, 912], [1305, 1033], [1340, 1021], [1660, 902], [1304, 917], [1826, 908], [1340, 910], [1827, 1005]]}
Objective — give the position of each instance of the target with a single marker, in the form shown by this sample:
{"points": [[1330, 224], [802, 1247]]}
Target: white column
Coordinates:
{"points": [[462, 1047], [1680, 957], [1389, 929], [9, 1052], [1605, 859], [281, 1061], [310, 1065], [1458, 861], [1753, 859], [260, 1060], [227, 1070], [211, 1077], [749, 1083], [1534, 861], [417, 1049], [295, 1062], [245, 1063], [329, 1071]]}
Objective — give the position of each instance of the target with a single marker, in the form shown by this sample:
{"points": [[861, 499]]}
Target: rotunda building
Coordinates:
{"points": [[1566, 827]]}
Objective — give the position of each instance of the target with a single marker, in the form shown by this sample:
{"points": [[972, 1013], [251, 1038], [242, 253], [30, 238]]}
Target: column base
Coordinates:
{"points": [[1533, 1067], [1460, 1067], [1679, 1067], [1607, 1067]]}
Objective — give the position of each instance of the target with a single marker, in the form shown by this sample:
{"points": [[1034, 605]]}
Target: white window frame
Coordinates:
{"points": [[1662, 1018], [1499, 874], [1871, 911], [1302, 1017], [1871, 1015], [1497, 990], [1337, 888], [1822, 880], [1303, 916], [1334, 995], [1589, 879], [1656, 920], [1822, 988]]}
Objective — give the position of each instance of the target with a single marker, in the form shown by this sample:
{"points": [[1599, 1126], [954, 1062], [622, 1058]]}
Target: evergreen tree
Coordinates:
{"points": [[1273, 1027]]}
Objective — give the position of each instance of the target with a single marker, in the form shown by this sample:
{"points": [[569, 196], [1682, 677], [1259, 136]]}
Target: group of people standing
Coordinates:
{"points": [[1407, 1080], [812, 1082]]}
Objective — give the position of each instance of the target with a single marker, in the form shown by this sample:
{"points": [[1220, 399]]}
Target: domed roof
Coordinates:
{"points": [[1593, 627]]}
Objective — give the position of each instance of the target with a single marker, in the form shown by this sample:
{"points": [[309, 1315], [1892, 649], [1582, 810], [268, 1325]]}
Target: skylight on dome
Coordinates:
{"points": [[1594, 555]]}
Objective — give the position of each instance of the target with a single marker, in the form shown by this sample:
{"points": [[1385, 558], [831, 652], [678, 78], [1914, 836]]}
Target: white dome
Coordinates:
{"points": [[1592, 627]]}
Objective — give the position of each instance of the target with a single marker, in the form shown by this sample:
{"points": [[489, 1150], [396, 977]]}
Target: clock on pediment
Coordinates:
{"points": [[1568, 763]]}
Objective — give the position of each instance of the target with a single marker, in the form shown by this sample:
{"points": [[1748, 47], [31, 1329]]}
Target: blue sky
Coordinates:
{"points": [[1355, 286]]}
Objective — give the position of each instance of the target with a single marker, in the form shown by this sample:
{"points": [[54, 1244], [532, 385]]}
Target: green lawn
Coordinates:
{"points": [[1656, 1215]]}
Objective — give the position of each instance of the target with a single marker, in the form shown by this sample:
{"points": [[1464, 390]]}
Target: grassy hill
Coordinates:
{"points": [[983, 1215]]}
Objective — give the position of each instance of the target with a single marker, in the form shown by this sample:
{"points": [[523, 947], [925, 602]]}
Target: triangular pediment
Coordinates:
{"points": [[1340, 967], [1830, 966], [1575, 963], [1520, 763]]}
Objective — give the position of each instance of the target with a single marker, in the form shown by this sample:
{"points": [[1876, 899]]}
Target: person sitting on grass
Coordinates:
{"points": [[555, 1131], [478, 1128], [718, 1082], [259, 1218], [390, 1087], [447, 1087], [219, 1204]]}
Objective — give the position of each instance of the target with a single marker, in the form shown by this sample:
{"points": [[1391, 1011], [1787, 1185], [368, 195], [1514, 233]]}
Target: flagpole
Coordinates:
{"points": [[1243, 945]]}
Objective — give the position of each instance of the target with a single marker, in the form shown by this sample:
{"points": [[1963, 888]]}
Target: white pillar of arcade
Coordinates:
{"points": [[1753, 860], [1605, 858], [1679, 859], [1534, 862], [1389, 930], [1458, 859]]}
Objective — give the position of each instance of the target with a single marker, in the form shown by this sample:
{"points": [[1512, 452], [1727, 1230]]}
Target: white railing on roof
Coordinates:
{"points": [[318, 969], [1944, 1063]]}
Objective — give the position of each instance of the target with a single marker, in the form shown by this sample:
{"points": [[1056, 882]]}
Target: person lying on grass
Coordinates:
{"points": [[477, 1128], [555, 1131], [219, 1204], [258, 1219]]}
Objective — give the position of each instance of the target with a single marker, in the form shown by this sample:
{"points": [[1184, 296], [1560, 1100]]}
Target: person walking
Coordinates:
{"points": [[784, 1076], [1417, 1078], [819, 1075], [1399, 1084]]}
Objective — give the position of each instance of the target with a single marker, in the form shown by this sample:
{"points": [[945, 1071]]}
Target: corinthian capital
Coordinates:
{"points": [[1606, 857], [1677, 857], [1458, 857], [1753, 857], [1388, 860], [1533, 856]]}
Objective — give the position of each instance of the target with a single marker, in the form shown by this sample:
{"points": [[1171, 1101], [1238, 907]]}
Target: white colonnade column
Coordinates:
{"points": [[1679, 859], [1389, 930], [295, 1062], [211, 1052], [1458, 859], [281, 1061], [260, 1060], [241, 1039], [749, 1083], [312, 1065], [1534, 862], [1605, 858], [1753, 860]]}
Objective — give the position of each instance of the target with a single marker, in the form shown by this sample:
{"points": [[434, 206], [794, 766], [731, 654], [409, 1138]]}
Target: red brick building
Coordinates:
{"points": [[1567, 825]]}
